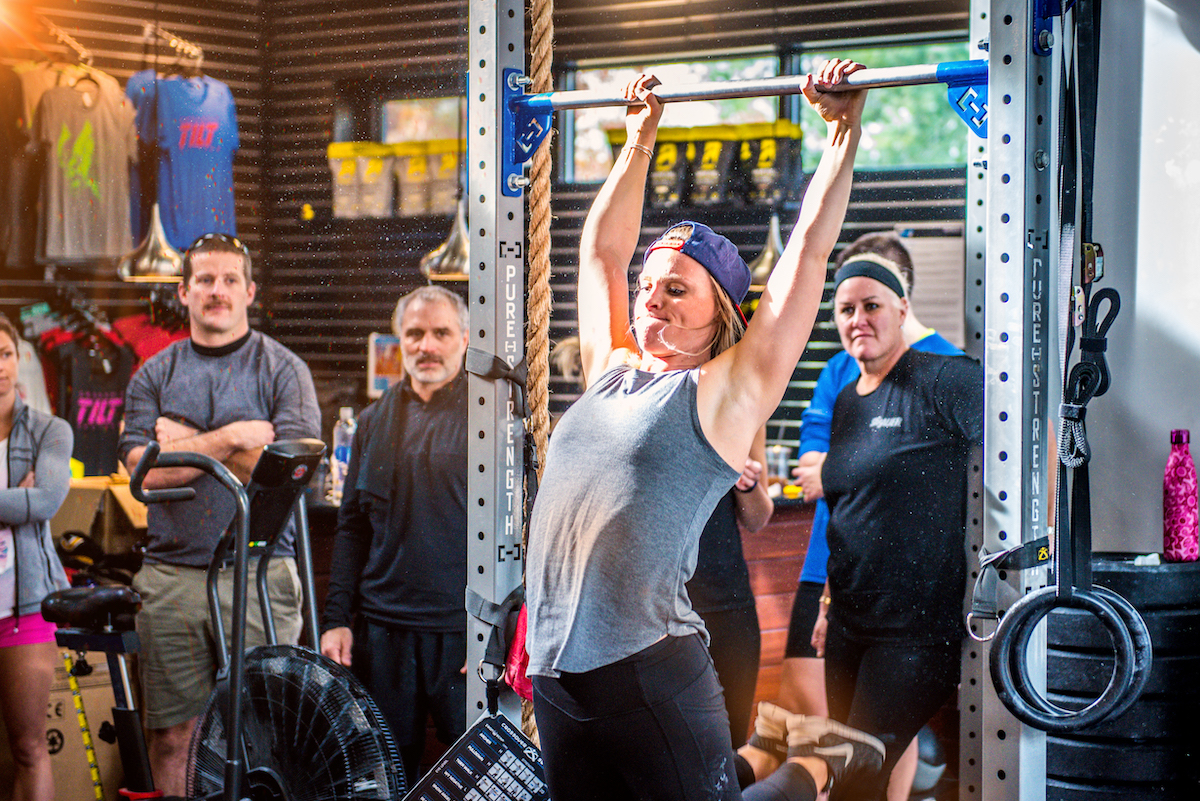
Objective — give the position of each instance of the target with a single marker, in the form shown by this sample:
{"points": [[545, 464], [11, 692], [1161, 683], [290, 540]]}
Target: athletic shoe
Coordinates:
{"points": [[771, 730], [848, 752]]}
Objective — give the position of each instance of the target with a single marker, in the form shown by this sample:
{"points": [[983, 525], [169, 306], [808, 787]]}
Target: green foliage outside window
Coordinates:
{"points": [[903, 126]]}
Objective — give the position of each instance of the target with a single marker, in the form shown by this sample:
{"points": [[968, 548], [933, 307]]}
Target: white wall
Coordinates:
{"points": [[1148, 220]]}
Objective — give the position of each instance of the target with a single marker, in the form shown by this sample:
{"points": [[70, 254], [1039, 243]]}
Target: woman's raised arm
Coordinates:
{"points": [[610, 236], [743, 386]]}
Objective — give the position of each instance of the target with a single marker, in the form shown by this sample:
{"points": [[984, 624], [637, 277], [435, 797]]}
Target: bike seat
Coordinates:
{"points": [[92, 607]]}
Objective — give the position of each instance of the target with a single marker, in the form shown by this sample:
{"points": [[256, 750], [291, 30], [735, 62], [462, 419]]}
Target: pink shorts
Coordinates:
{"points": [[28, 630]]}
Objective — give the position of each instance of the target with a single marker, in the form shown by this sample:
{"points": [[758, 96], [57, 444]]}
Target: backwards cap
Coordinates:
{"points": [[714, 252]]}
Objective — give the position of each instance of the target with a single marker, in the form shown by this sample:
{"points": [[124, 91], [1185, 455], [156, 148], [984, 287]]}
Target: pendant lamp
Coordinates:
{"points": [[449, 260], [761, 267], [154, 259]]}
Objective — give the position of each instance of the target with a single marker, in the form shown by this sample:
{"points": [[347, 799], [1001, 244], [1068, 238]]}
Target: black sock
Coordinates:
{"points": [[790, 782], [745, 773]]}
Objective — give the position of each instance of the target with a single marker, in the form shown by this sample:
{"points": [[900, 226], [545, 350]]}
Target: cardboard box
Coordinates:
{"points": [[103, 508], [72, 775]]}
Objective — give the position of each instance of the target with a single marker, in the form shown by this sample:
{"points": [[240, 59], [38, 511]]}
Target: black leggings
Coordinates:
{"points": [[734, 642], [890, 691], [651, 727]]}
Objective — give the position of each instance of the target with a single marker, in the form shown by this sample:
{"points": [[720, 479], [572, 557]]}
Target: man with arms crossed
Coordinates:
{"points": [[225, 392]]}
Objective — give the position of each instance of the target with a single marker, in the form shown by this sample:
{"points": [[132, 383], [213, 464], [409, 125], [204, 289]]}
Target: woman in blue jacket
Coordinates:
{"points": [[35, 453]]}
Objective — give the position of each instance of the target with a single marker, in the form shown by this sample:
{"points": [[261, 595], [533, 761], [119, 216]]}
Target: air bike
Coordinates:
{"points": [[302, 727]]}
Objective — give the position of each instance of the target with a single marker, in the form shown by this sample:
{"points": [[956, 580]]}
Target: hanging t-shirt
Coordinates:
{"points": [[11, 139], [92, 377], [86, 135], [145, 337], [8, 556], [196, 122], [38, 77]]}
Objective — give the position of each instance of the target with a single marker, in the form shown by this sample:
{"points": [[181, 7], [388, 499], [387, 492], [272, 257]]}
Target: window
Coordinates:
{"points": [[422, 119], [592, 155], [903, 126]]}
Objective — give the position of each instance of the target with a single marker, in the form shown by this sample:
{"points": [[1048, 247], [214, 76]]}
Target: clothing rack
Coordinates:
{"points": [[82, 53], [152, 30]]}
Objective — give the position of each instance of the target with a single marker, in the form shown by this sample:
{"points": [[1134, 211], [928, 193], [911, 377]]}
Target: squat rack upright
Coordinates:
{"points": [[1009, 301]]}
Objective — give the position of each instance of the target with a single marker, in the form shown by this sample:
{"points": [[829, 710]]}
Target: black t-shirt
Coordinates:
{"points": [[400, 553], [895, 481], [92, 380], [722, 580]]}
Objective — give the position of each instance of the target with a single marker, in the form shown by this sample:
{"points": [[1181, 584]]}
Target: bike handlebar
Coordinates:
{"points": [[152, 457]]}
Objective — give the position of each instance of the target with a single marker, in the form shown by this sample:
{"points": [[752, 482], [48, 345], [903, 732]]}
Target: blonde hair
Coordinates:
{"points": [[730, 327]]}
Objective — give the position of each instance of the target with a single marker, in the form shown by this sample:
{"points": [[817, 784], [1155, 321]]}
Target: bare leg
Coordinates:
{"points": [[900, 783], [802, 686], [26, 673], [169, 755]]}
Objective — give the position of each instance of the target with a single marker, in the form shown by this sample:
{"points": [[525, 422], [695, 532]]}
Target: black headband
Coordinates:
{"points": [[868, 268]]}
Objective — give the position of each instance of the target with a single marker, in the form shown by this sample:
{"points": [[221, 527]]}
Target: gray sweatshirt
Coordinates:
{"points": [[41, 443]]}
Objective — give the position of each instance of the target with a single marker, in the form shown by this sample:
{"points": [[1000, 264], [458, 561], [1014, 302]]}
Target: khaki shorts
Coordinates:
{"points": [[178, 660]]}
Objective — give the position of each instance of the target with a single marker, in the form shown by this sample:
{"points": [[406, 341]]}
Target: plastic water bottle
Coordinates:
{"points": [[1180, 529], [343, 436]]}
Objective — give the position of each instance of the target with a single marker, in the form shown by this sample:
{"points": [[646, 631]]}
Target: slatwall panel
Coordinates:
{"points": [[881, 200], [228, 32], [333, 282], [586, 29]]}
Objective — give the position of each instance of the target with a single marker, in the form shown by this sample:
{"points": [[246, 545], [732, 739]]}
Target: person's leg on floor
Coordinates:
{"points": [[897, 690], [176, 664], [802, 680], [26, 674], [900, 784], [384, 659], [842, 660], [444, 684]]}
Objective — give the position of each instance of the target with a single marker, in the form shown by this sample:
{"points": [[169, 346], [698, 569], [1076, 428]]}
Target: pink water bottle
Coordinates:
{"points": [[1180, 542]]}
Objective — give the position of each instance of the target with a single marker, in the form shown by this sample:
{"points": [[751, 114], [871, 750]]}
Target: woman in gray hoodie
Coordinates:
{"points": [[35, 454]]}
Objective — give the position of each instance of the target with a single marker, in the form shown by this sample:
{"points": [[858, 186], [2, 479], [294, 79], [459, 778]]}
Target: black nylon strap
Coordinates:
{"points": [[486, 365], [984, 603], [1087, 83], [499, 618]]}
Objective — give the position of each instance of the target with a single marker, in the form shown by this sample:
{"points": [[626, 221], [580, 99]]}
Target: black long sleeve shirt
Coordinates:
{"points": [[399, 555]]}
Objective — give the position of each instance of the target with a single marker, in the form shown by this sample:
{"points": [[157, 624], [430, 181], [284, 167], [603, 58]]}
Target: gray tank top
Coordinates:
{"points": [[630, 481]]}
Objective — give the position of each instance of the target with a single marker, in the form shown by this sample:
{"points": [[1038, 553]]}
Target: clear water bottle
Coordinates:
{"points": [[339, 463], [1180, 522]]}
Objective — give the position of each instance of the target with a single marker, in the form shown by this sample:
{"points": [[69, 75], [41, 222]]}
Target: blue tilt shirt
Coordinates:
{"points": [[815, 425], [197, 137]]}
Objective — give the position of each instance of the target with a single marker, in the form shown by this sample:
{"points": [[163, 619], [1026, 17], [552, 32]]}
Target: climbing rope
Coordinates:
{"points": [[537, 342], [537, 337]]}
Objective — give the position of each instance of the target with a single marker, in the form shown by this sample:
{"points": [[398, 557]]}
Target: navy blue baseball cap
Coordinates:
{"points": [[714, 252]]}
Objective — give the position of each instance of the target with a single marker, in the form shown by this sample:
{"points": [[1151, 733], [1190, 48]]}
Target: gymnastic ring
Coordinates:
{"points": [[1009, 657], [1143, 655], [1132, 652]]}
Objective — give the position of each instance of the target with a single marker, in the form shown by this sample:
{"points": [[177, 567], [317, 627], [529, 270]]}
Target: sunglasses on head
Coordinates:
{"points": [[226, 239]]}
